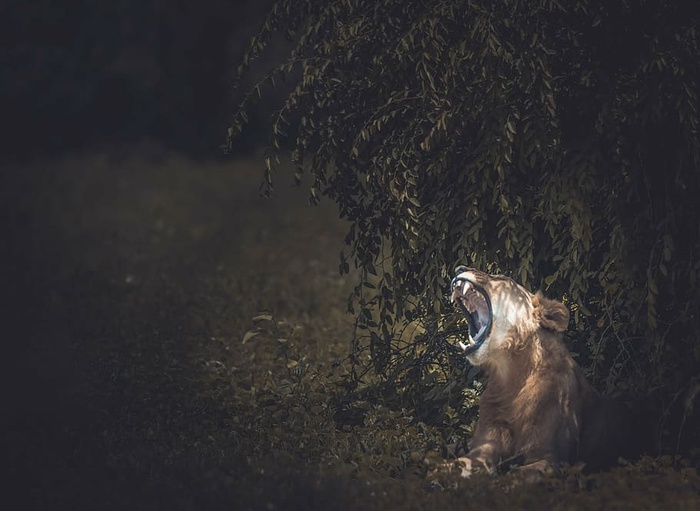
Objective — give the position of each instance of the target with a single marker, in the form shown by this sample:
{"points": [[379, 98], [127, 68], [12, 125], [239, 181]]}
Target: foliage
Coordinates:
{"points": [[557, 143]]}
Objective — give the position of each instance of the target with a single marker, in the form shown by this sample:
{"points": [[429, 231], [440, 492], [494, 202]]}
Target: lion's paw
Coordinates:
{"points": [[465, 465], [440, 473]]}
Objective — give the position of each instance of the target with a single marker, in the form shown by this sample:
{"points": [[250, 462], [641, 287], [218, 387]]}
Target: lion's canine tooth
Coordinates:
{"points": [[470, 342]]}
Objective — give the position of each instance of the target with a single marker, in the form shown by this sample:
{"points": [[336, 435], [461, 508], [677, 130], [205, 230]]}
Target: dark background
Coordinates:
{"points": [[83, 73]]}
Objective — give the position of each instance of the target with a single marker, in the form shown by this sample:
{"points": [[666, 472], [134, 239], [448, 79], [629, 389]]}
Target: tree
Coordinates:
{"points": [[557, 143]]}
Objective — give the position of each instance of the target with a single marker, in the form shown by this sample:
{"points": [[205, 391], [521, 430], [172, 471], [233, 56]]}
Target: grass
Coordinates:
{"points": [[132, 281]]}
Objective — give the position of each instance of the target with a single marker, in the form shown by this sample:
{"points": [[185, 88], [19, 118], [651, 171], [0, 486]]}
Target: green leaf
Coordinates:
{"points": [[249, 335]]}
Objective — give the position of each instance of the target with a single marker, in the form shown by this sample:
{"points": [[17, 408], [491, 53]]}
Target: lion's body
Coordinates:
{"points": [[537, 405]]}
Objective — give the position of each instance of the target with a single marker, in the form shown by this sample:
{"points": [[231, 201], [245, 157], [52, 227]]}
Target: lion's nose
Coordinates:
{"points": [[461, 269]]}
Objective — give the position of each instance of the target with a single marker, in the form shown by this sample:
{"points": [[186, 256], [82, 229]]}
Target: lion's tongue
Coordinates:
{"points": [[472, 325]]}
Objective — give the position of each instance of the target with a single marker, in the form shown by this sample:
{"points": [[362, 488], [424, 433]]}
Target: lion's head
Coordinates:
{"points": [[502, 314]]}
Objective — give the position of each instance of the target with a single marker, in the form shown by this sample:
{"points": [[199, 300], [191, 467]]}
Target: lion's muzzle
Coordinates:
{"points": [[475, 304]]}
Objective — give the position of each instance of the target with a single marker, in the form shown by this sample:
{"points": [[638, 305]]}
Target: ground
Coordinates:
{"points": [[174, 341]]}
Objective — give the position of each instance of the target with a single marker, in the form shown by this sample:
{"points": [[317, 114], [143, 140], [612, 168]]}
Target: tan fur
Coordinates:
{"points": [[537, 402]]}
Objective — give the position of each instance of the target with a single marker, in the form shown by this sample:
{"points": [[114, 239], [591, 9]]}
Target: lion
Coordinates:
{"points": [[537, 406]]}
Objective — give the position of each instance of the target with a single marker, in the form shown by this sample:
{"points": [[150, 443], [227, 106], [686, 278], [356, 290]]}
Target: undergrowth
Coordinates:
{"points": [[184, 345]]}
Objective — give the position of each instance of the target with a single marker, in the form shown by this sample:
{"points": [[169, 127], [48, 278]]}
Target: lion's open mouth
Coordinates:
{"points": [[476, 307]]}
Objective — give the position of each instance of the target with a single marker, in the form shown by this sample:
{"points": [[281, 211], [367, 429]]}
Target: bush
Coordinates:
{"points": [[556, 144]]}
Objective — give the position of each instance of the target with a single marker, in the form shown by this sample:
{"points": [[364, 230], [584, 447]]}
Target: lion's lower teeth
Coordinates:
{"points": [[470, 342]]}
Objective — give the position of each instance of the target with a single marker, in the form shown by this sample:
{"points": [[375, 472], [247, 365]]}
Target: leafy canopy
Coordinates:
{"points": [[556, 142]]}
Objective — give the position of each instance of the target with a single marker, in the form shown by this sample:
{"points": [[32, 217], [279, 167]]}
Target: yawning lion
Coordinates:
{"points": [[537, 405]]}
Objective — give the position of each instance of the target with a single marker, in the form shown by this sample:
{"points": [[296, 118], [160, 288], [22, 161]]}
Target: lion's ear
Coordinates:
{"points": [[551, 314]]}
